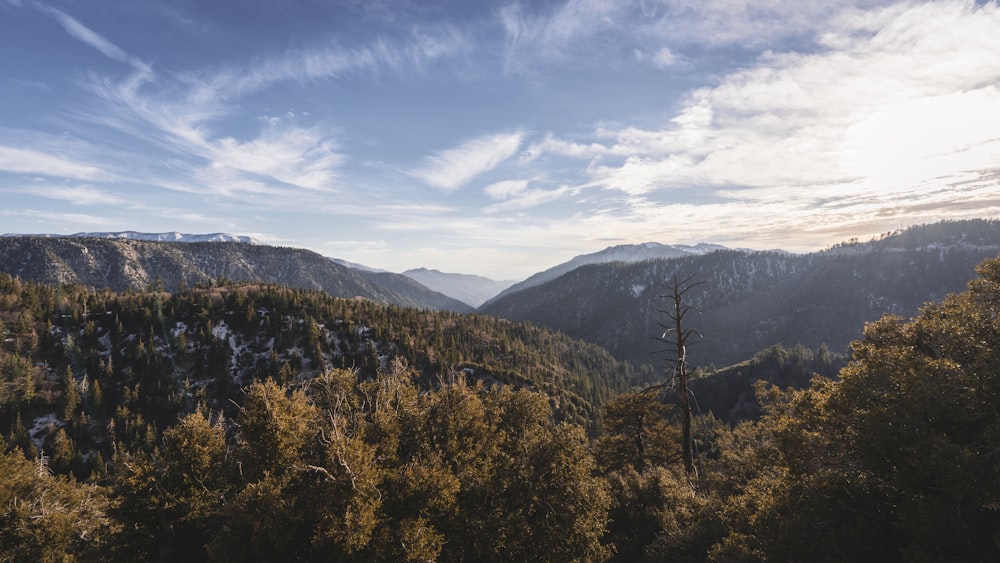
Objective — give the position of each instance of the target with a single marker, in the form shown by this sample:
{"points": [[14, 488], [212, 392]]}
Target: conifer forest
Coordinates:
{"points": [[254, 422]]}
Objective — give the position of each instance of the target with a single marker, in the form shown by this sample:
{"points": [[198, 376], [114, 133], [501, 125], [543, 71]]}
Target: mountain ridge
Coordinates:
{"points": [[628, 253], [122, 264], [750, 300], [172, 236]]}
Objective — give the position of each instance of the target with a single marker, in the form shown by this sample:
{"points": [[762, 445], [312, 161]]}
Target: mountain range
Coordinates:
{"points": [[123, 263], [748, 300], [474, 290], [626, 253], [154, 237]]}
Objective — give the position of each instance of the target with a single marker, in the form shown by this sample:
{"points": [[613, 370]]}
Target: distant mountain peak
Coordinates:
{"points": [[467, 288], [172, 236], [628, 253]]}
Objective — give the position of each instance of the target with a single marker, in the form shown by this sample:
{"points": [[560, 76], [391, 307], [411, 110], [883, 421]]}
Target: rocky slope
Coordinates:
{"points": [[121, 264]]}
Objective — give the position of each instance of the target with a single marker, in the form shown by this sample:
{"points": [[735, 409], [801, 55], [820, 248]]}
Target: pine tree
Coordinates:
{"points": [[71, 395]]}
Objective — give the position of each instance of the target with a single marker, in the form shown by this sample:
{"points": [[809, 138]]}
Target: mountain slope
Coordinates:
{"points": [[627, 253], [121, 264], [474, 290], [753, 300], [211, 342]]}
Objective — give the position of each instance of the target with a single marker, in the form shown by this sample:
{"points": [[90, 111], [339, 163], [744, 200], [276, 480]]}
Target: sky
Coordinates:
{"points": [[498, 138]]}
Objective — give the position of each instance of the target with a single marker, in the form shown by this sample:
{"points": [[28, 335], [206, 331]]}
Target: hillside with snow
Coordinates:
{"points": [[625, 253], [122, 263], [154, 237]]}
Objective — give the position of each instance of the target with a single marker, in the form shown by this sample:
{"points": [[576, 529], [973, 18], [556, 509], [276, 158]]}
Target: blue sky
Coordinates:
{"points": [[498, 138]]}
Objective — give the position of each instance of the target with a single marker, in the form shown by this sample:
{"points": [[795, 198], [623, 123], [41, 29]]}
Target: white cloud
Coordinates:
{"points": [[93, 39], [450, 169], [27, 161], [300, 157], [892, 103], [555, 35], [665, 58], [926, 137], [78, 195], [178, 112], [528, 198], [579, 18], [50, 217], [612, 31], [561, 147], [505, 189], [321, 62], [749, 23]]}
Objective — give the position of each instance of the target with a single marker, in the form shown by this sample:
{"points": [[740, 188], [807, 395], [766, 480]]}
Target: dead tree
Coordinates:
{"points": [[677, 338]]}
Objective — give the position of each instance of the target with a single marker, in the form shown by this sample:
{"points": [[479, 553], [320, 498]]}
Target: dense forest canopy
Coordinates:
{"points": [[249, 422]]}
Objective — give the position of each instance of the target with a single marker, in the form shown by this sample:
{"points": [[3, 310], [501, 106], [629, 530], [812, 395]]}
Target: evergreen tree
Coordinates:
{"points": [[49, 518], [70, 395]]}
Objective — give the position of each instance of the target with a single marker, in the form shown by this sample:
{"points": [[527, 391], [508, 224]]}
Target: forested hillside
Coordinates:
{"points": [[750, 300], [121, 264], [167, 351], [255, 422]]}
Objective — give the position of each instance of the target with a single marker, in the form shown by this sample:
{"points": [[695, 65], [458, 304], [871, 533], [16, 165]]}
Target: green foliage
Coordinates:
{"points": [[71, 394], [728, 393], [898, 460], [346, 469], [638, 432], [218, 453], [49, 518], [658, 515]]}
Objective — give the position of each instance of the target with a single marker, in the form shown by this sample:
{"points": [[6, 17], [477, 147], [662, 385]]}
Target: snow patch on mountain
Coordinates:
{"points": [[153, 237]]}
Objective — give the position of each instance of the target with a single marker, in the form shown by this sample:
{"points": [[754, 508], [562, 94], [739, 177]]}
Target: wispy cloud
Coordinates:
{"points": [[528, 198], [612, 31], [77, 195], [299, 157], [327, 61], [182, 108], [88, 36], [450, 169], [747, 23], [550, 35], [26, 161], [828, 119], [49, 217]]}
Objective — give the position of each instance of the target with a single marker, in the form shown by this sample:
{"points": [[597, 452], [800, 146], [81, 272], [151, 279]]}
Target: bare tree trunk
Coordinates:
{"points": [[679, 343]]}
